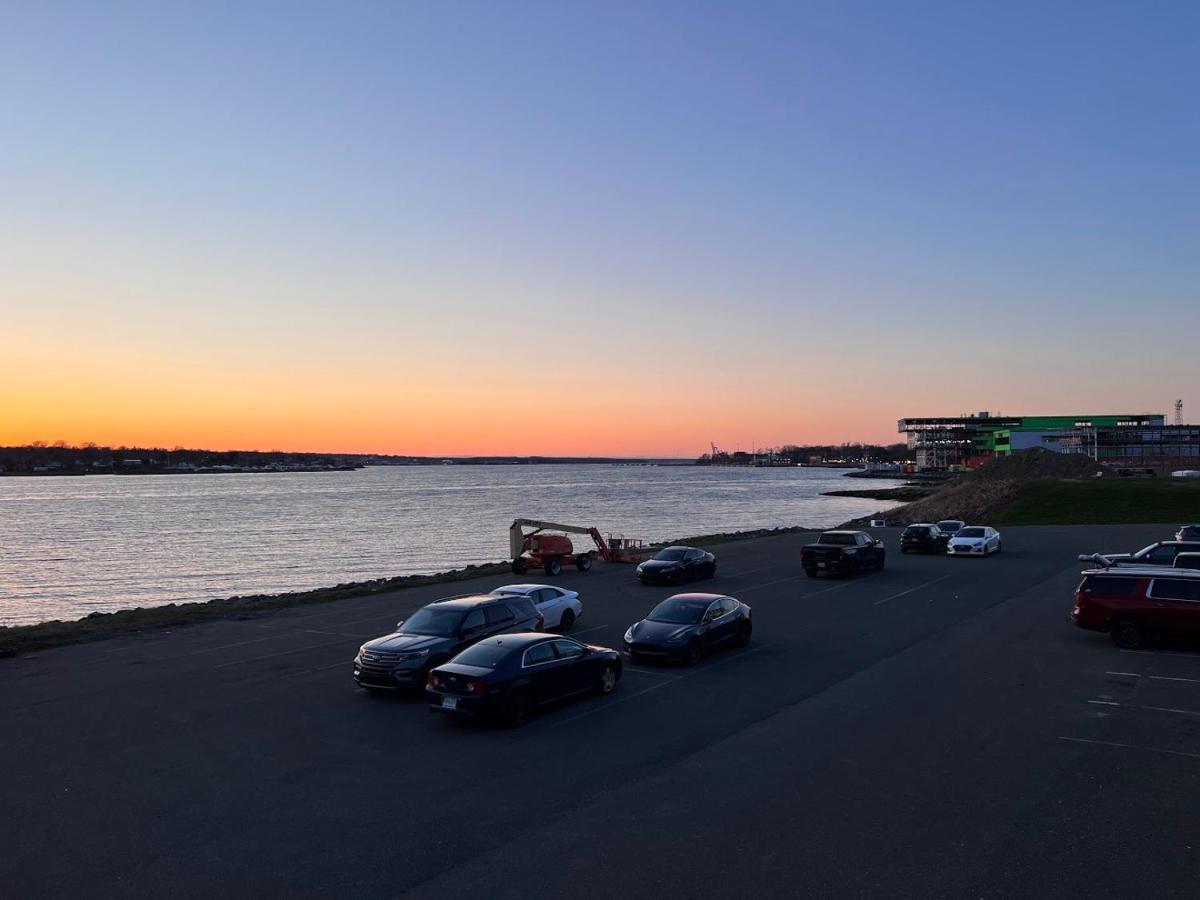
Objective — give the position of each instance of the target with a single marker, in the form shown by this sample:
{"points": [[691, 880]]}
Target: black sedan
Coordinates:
{"points": [[672, 565], [687, 626], [509, 677]]}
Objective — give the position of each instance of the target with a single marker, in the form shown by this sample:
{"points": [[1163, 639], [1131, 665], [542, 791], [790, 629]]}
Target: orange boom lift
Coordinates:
{"points": [[550, 552]]}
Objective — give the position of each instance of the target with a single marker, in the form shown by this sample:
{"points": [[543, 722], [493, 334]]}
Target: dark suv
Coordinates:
{"points": [[923, 538], [1134, 603], [435, 633]]}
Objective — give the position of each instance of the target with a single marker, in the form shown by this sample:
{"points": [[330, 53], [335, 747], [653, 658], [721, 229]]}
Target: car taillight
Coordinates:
{"points": [[475, 686], [433, 681]]}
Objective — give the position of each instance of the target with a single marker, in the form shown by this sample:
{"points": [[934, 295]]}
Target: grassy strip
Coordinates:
{"points": [[101, 625], [1103, 501]]}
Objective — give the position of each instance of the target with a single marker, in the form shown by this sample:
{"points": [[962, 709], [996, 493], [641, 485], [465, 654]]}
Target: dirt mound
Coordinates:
{"points": [[1028, 465], [985, 493]]}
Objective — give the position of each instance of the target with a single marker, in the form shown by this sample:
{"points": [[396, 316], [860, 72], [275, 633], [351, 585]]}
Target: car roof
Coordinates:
{"points": [[698, 597], [520, 588], [843, 531], [1145, 572], [678, 547], [466, 601], [523, 640]]}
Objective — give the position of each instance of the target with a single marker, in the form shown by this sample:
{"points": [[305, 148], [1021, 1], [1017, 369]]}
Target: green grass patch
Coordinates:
{"points": [[1103, 501]]}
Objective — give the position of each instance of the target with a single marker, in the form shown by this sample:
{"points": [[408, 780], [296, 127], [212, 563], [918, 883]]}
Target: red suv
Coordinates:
{"points": [[1134, 603]]}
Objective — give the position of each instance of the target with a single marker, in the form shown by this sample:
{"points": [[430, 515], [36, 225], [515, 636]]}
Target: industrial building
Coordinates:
{"points": [[1117, 439]]}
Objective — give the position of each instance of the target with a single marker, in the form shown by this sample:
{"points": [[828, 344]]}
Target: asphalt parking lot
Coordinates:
{"points": [[937, 729]]}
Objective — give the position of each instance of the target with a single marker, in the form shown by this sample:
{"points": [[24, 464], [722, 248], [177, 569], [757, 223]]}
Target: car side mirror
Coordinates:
{"points": [[587, 651], [399, 624]]}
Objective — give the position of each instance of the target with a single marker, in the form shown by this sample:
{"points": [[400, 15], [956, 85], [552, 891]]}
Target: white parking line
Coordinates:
{"points": [[240, 662], [919, 587], [1163, 653], [1076, 740], [1154, 677], [1166, 709], [654, 687], [638, 670], [585, 630]]}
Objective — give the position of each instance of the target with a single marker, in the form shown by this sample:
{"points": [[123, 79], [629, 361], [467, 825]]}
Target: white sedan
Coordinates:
{"points": [[559, 607], [974, 540]]}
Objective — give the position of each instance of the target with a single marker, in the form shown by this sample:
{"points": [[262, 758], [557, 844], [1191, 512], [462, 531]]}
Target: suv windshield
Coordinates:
{"points": [[671, 554], [842, 540], [678, 612], [433, 621], [485, 656], [970, 532], [916, 532], [950, 524]]}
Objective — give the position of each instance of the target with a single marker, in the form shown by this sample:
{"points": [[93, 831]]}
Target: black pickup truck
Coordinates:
{"points": [[842, 553]]}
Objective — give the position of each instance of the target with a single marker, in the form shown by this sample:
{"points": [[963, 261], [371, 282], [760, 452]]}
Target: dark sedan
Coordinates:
{"points": [[509, 677], [673, 565], [687, 626]]}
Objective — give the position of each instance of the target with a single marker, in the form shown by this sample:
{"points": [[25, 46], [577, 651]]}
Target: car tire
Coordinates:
{"points": [[694, 652], [583, 562], [608, 680], [745, 634], [567, 620], [712, 571], [520, 710], [811, 573], [1128, 634], [999, 546], [552, 566], [519, 567]]}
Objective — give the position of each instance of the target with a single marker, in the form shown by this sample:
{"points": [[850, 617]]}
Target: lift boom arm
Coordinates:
{"points": [[517, 535]]}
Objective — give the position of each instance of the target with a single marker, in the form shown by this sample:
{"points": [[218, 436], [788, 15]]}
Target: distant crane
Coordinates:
{"points": [[1178, 412]]}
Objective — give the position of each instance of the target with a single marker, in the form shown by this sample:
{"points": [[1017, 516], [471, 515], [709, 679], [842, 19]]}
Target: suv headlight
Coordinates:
{"points": [[411, 655], [629, 634]]}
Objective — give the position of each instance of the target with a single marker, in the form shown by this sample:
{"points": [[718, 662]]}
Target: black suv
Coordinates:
{"points": [[923, 538], [435, 633]]}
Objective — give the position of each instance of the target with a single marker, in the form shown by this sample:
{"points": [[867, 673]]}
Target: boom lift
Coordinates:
{"points": [[534, 549]]}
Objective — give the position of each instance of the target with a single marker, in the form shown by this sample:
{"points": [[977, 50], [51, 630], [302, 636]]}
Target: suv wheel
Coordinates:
{"points": [[1127, 633]]}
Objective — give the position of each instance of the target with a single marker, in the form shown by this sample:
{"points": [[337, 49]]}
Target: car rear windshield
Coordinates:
{"points": [[842, 540], [1108, 584], [949, 524], [916, 532], [485, 656], [433, 621], [678, 612], [671, 554], [970, 532]]}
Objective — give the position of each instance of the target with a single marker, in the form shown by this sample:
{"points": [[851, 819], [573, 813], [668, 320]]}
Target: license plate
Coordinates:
{"points": [[820, 565], [449, 703]]}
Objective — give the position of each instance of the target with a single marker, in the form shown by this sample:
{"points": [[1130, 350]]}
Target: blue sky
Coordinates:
{"points": [[410, 197]]}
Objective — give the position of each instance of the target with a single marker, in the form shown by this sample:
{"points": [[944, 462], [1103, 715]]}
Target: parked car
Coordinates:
{"points": [[687, 626], [1188, 533], [1186, 561], [437, 632], [508, 678], [974, 540], [1161, 553], [672, 565], [923, 538], [558, 606], [949, 527], [843, 553], [1136, 603]]}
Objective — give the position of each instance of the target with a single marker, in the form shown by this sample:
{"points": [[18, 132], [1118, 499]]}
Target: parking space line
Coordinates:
{"points": [[239, 662], [586, 630], [1076, 740], [1154, 677], [1195, 656], [1166, 709], [638, 670], [919, 587], [755, 587]]}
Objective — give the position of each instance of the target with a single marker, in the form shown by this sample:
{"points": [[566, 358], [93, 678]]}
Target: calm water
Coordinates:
{"points": [[69, 546]]}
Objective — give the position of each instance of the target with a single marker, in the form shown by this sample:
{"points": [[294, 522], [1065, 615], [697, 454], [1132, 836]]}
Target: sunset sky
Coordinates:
{"points": [[606, 228]]}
